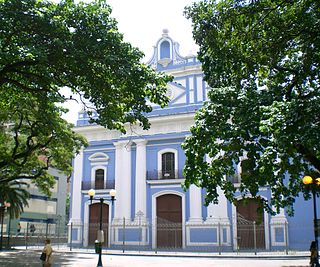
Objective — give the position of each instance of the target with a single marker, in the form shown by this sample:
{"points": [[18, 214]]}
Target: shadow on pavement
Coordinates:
{"points": [[32, 258]]}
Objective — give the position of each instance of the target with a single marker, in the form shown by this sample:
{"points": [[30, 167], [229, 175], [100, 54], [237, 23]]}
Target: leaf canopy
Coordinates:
{"points": [[46, 46], [261, 59]]}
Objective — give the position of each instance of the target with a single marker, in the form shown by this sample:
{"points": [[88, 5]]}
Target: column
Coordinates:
{"points": [[123, 180], [195, 204], [140, 186], [118, 213], [76, 206], [126, 180], [76, 187], [218, 212]]}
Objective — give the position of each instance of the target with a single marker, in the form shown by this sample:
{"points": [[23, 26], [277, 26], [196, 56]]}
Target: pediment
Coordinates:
{"points": [[176, 93], [99, 157]]}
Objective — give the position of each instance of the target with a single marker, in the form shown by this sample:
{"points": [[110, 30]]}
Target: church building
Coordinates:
{"points": [[146, 169]]}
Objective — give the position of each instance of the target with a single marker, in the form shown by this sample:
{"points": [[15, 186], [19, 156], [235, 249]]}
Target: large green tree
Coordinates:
{"points": [[46, 46], [261, 59], [34, 137]]}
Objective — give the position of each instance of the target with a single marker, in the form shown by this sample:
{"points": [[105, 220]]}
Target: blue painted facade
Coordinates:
{"points": [[133, 163]]}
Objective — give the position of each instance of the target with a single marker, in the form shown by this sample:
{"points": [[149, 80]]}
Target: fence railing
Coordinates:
{"points": [[158, 235], [171, 174], [34, 236], [212, 237], [108, 184]]}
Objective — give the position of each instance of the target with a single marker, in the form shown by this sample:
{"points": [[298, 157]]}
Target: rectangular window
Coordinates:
{"points": [[168, 166], [99, 179]]}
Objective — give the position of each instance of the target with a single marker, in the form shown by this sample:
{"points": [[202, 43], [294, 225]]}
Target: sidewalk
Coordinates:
{"points": [[222, 255], [115, 258]]}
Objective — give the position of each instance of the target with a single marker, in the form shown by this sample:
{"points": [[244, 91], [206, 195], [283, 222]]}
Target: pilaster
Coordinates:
{"points": [[140, 186], [195, 204]]}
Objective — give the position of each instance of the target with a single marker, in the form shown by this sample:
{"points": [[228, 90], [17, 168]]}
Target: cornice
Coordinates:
{"points": [[159, 125]]}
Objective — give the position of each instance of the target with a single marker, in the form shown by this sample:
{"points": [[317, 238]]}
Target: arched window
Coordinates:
{"points": [[99, 179], [168, 165], [165, 50]]}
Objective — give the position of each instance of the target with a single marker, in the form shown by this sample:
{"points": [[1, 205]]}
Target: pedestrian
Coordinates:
{"points": [[313, 255], [32, 229], [47, 260], [18, 229]]}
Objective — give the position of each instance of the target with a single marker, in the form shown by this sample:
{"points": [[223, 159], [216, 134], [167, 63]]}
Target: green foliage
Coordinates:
{"points": [[33, 138], [15, 193], [261, 59], [46, 46]]}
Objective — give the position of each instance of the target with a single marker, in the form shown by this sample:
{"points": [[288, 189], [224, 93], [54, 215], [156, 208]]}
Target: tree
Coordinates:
{"points": [[261, 59], [15, 193], [33, 138], [46, 46]]}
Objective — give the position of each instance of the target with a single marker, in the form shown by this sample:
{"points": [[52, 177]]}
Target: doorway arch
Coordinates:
{"points": [[94, 222], [251, 232], [169, 221]]}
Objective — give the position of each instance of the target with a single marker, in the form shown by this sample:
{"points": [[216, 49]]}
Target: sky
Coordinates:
{"points": [[142, 23]]}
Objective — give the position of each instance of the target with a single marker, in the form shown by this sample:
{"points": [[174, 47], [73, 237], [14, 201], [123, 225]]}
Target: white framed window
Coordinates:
{"points": [[168, 164], [99, 162]]}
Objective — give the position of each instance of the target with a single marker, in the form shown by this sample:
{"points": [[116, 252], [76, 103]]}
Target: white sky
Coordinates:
{"points": [[142, 22]]}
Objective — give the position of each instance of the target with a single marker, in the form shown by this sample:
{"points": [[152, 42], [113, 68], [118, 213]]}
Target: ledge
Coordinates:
{"points": [[165, 181]]}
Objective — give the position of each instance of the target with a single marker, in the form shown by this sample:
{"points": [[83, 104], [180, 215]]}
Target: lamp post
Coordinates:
{"points": [[312, 184], [91, 194], [3, 207]]}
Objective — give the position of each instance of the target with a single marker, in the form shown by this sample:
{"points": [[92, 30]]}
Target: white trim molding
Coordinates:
{"points": [[279, 221], [219, 227], [93, 172], [100, 157], [167, 150]]}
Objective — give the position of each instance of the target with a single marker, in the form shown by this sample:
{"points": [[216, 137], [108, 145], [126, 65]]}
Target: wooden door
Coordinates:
{"points": [[169, 221], [94, 222], [250, 224]]}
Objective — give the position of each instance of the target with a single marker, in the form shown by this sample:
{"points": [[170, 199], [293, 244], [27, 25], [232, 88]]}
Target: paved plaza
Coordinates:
{"points": [[17, 258]]}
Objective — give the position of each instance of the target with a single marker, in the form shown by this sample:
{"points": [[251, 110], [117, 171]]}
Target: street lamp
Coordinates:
{"points": [[3, 207], [312, 184], [91, 194]]}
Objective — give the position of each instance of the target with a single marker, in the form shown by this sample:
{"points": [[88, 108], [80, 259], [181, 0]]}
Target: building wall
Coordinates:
{"points": [[43, 210]]}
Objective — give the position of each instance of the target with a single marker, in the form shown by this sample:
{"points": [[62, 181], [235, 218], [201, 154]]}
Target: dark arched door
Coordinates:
{"points": [[94, 222], [250, 224], [169, 221]]}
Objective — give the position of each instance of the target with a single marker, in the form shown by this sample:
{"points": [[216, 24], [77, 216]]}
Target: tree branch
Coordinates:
{"points": [[12, 67], [308, 155], [22, 86]]}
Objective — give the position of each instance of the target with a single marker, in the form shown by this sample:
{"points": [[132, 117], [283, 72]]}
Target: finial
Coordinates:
{"points": [[165, 32]]}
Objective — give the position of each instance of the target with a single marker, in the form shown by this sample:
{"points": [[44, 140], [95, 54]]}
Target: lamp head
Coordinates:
{"points": [[113, 193], [307, 180], [91, 193]]}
